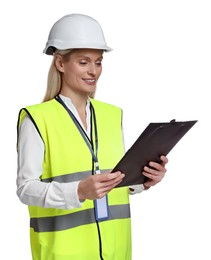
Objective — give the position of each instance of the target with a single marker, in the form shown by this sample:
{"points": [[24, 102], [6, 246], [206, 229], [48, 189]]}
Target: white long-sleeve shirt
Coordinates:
{"points": [[30, 189]]}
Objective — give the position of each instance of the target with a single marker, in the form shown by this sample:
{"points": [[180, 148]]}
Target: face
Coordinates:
{"points": [[80, 72]]}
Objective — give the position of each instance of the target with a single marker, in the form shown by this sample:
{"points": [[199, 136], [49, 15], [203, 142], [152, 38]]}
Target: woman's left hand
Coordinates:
{"points": [[155, 172]]}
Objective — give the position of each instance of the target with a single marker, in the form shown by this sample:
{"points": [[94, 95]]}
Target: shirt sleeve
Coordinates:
{"points": [[30, 189], [134, 189]]}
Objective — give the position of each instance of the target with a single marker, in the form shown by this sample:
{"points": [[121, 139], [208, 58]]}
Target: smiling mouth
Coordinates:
{"points": [[90, 81]]}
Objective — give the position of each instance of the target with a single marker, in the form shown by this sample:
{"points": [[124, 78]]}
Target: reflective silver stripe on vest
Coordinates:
{"points": [[76, 176], [83, 217]]}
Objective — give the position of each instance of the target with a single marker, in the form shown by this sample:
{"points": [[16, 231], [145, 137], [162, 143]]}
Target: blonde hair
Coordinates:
{"points": [[54, 82]]}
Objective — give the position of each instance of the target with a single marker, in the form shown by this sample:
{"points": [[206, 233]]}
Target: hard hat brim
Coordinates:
{"points": [[49, 50]]}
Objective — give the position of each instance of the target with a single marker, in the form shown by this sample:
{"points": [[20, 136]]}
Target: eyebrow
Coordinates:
{"points": [[87, 57]]}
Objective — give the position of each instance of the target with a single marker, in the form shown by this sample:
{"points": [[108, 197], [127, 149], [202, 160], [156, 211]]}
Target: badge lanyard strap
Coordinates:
{"points": [[101, 205]]}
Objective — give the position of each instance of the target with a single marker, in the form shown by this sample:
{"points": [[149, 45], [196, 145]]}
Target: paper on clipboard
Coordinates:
{"points": [[157, 139]]}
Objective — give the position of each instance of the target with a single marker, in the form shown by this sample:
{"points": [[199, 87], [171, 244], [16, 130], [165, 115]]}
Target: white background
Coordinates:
{"points": [[159, 70]]}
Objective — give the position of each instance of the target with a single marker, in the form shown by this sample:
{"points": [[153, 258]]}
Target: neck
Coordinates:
{"points": [[80, 104], [78, 100]]}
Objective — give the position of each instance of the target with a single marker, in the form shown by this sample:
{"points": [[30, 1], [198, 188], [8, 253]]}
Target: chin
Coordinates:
{"points": [[92, 89]]}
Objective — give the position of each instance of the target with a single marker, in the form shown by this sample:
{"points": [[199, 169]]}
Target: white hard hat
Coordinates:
{"points": [[76, 31]]}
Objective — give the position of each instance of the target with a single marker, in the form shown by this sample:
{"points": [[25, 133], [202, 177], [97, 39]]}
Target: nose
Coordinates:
{"points": [[92, 70]]}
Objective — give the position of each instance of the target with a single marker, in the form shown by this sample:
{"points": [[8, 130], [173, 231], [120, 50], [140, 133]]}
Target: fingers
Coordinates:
{"points": [[108, 181], [164, 160], [154, 176], [155, 172], [157, 166], [96, 186], [111, 183], [106, 177]]}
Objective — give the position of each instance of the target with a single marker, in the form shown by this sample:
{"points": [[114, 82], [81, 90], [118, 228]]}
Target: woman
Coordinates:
{"points": [[67, 146]]}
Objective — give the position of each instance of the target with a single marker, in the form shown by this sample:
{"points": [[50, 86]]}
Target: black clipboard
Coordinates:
{"points": [[157, 139]]}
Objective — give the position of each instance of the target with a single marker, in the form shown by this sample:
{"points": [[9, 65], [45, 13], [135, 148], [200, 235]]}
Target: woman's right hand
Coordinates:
{"points": [[98, 185]]}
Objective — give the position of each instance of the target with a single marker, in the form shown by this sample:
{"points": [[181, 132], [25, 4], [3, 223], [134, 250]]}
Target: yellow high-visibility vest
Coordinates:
{"points": [[75, 234]]}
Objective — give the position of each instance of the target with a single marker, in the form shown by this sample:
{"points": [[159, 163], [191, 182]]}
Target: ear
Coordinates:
{"points": [[59, 63]]}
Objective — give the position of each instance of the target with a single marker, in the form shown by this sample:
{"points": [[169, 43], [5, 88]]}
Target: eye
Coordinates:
{"points": [[99, 63], [83, 62]]}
